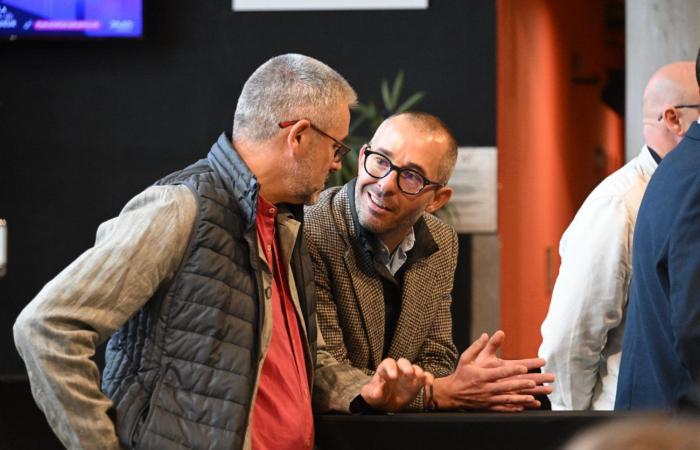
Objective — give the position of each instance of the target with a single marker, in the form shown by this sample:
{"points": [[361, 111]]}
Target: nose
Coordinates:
{"points": [[389, 183], [336, 165]]}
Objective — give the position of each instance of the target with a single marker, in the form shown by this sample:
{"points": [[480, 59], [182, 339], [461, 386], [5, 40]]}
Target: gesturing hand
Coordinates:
{"points": [[484, 381], [487, 358], [395, 384]]}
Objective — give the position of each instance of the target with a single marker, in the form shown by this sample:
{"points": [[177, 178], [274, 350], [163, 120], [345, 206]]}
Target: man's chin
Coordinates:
{"points": [[312, 199], [368, 222]]}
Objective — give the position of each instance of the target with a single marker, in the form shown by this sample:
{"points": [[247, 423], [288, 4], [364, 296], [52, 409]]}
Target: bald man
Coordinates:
{"points": [[582, 334], [384, 270]]}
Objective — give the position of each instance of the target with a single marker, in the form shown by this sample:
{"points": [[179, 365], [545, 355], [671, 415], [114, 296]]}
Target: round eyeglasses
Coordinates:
{"points": [[410, 181]]}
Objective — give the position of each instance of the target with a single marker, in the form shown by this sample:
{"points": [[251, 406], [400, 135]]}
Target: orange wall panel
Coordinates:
{"points": [[551, 125]]}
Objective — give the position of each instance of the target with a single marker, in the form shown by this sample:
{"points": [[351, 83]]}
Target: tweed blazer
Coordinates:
{"points": [[350, 302]]}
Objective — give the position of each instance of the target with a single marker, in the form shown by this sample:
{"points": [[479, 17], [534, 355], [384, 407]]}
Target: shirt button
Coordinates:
{"points": [[268, 292], [271, 211]]}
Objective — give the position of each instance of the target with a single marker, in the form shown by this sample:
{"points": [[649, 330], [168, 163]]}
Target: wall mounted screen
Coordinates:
{"points": [[71, 19]]}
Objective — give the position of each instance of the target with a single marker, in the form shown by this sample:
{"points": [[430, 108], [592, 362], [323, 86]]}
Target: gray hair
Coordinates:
{"points": [[289, 87]]}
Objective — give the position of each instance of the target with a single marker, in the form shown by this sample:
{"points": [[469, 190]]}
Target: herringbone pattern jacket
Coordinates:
{"points": [[350, 302]]}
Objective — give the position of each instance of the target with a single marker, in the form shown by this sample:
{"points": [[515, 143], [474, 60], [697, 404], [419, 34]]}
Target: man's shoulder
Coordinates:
{"points": [[158, 199], [443, 234], [684, 159], [621, 192], [674, 188], [320, 213], [327, 216], [676, 180], [628, 182]]}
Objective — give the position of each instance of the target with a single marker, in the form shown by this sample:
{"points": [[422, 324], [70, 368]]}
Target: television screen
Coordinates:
{"points": [[72, 19]]}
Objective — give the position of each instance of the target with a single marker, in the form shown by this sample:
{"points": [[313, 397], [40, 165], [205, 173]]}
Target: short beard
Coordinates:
{"points": [[377, 227], [297, 184]]}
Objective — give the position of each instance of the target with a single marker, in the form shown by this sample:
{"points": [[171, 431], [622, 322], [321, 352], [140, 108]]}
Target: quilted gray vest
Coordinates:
{"points": [[181, 372]]}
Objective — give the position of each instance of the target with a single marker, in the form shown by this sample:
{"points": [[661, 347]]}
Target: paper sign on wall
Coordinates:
{"points": [[473, 207], [325, 5]]}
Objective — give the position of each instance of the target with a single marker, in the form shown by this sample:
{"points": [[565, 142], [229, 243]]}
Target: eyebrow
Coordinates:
{"points": [[410, 165]]}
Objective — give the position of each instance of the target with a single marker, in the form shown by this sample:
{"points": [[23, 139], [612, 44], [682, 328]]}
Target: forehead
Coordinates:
{"points": [[410, 145], [341, 122]]}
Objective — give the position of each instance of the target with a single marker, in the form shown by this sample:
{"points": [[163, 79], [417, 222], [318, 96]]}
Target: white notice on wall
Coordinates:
{"points": [[473, 208], [325, 5]]}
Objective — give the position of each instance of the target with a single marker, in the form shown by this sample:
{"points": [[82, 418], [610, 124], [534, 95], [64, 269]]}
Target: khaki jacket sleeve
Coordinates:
{"points": [[57, 333]]}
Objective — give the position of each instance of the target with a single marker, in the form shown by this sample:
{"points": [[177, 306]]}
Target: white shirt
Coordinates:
{"points": [[582, 334]]}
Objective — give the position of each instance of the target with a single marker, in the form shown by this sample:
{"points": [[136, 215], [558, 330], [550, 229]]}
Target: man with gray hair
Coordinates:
{"points": [[204, 284], [582, 334]]}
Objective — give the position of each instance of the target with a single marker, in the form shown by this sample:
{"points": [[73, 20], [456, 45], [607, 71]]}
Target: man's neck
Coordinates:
{"points": [[257, 156], [393, 241]]}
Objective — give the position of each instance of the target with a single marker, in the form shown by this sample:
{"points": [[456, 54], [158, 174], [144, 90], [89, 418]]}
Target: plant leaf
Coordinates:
{"points": [[366, 111], [376, 122], [356, 124], [396, 89], [386, 97], [410, 102]]}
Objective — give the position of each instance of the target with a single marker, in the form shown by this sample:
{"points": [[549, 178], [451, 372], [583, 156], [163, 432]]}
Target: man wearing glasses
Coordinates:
{"points": [[583, 333], [384, 275], [206, 288]]}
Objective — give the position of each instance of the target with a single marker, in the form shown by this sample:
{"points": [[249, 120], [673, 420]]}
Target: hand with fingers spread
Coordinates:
{"points": [[486, 383], [395, 384], [488, 358]]}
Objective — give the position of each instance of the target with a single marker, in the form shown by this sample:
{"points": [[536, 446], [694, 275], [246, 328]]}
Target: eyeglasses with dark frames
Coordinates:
{"points": [[341, 149], [410, 181], [661, 116]]}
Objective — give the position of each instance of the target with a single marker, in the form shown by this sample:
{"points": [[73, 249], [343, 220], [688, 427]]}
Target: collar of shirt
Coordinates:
{"points": [[394, 261], [265, 216], [654, 155]]}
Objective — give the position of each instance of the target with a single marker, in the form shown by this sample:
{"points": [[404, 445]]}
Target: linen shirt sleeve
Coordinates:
{"points": [[57, 333], [588, 299]]}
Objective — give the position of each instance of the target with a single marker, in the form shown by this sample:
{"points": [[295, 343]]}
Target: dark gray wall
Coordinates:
{"points": [[84, 126]]}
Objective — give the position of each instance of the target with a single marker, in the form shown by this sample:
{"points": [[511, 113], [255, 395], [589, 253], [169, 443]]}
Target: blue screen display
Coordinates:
{"points": [[76, 19]]}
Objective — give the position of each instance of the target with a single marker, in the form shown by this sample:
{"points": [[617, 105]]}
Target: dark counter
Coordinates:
{"points": [[536, 430]]}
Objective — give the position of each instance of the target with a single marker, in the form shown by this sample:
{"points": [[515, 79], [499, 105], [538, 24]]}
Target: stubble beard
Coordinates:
{"points": [[377, 226], [298, 183]]}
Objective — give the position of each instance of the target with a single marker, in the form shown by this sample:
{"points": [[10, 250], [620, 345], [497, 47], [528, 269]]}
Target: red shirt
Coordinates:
{"points": [[282, 417]]}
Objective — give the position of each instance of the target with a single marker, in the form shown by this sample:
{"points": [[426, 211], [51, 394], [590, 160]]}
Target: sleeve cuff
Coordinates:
{"points": [[358, 405]]}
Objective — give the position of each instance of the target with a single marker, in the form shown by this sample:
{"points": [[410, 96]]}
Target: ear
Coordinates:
{"points": [[360, 160], [295, 134], [442, 196], [673, 121]]}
